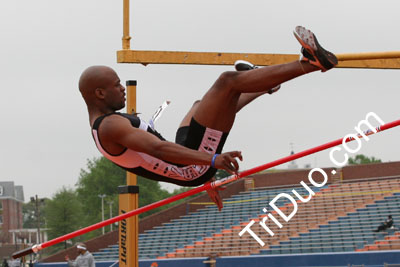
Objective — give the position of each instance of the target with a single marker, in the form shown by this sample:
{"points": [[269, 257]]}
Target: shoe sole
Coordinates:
{"points": [[309, 42], [274, 90], [242, 63]]}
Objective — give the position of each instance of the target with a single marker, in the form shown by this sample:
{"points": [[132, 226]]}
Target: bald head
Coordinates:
{"points": [[94, 77], [101, 89]]}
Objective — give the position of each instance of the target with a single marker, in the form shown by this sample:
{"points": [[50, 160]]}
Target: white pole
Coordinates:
{"points": [[102, 212], [110, 203], [102, 209]]}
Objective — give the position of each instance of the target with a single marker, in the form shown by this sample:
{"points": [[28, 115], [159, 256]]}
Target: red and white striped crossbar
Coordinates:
{"points": [[196, 190]]}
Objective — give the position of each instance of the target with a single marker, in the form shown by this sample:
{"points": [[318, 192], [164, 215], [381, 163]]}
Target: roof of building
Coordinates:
{"points": [[10, 191]]}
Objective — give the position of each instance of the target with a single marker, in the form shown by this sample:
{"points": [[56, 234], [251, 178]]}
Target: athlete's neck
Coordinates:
{"points": [[94, 113]]}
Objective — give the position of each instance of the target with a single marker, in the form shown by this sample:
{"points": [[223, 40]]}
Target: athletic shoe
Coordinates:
{"points": [[312, 51], [242, 65]]}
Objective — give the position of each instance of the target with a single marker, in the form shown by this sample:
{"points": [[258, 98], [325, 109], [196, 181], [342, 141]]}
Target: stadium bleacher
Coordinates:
{"points": [[339, 218]]}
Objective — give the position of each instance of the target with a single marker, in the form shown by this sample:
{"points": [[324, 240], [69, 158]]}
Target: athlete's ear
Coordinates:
{"points": [[99, 93]]}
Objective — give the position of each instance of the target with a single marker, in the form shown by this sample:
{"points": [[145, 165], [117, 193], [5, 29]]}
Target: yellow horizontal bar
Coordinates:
{"points": [[199, 58], [378, 60], [368, 55]]}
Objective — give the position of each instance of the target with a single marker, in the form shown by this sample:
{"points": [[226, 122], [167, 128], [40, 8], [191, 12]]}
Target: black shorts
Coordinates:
{"points": [[197, 137]]}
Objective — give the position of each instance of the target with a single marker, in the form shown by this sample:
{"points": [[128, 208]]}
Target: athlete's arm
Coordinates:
{"points": [[118, 130]]}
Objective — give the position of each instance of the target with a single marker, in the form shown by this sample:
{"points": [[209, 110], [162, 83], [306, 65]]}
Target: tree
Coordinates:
{"points": [[221, 174], [103, 177], [70, 210], [362, 159], [63, 214], [29, 214], [100, 177]]}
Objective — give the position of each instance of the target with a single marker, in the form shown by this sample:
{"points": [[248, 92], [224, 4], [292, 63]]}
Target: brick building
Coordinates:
{"points": [[11, 201]]}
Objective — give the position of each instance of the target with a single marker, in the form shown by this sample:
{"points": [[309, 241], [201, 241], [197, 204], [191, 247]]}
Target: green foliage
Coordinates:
{"points": [[221, 174], [362, 159], [73, 209], [29, 214], [70, 209], [63, 214], [149, 192], [101, 177]]}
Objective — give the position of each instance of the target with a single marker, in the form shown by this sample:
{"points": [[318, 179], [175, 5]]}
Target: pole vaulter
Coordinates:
{"points": [[215, 184]]}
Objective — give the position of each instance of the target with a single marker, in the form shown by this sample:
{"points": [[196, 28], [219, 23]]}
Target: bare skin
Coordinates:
{"points": [[222, 99], [102, 90], [244, 99]]}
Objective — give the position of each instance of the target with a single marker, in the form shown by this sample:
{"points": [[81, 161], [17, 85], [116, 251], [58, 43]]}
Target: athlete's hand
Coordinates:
{"points": [[228, 161]]}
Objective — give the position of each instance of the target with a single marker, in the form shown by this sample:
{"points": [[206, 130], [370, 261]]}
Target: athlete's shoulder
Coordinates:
{"points": [[113, 120], [99, 120]]}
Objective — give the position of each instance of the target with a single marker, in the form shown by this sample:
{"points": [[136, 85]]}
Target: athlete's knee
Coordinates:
{"points": [[195, 103], [194, 106], [227, 79]]}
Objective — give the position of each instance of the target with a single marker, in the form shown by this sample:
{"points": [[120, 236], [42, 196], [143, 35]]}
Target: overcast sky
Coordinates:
{"points": [[46, 44]]}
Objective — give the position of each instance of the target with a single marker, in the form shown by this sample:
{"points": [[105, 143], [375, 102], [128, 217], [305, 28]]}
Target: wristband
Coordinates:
{"points": [[213, 160]]}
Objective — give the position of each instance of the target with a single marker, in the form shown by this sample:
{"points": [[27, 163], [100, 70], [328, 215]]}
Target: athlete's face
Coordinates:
{"points": [[114, 92]]}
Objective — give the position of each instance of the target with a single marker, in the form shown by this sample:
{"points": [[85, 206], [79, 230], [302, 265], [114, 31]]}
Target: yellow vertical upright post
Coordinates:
{"points": [[126, 45], [129, 200]]}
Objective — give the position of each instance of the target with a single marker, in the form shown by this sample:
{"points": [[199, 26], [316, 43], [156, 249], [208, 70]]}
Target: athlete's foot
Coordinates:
{"points": [[312, 51], [213, 193], [242, 65]]}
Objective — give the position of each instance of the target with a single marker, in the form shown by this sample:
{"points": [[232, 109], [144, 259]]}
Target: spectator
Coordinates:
{"points": [[14, 263], [84, 259], [5, 263], [386, 225]]}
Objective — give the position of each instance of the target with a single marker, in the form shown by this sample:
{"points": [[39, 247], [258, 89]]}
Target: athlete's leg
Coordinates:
{"points": [[218, 107], [188, 117], [244, 99]]}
